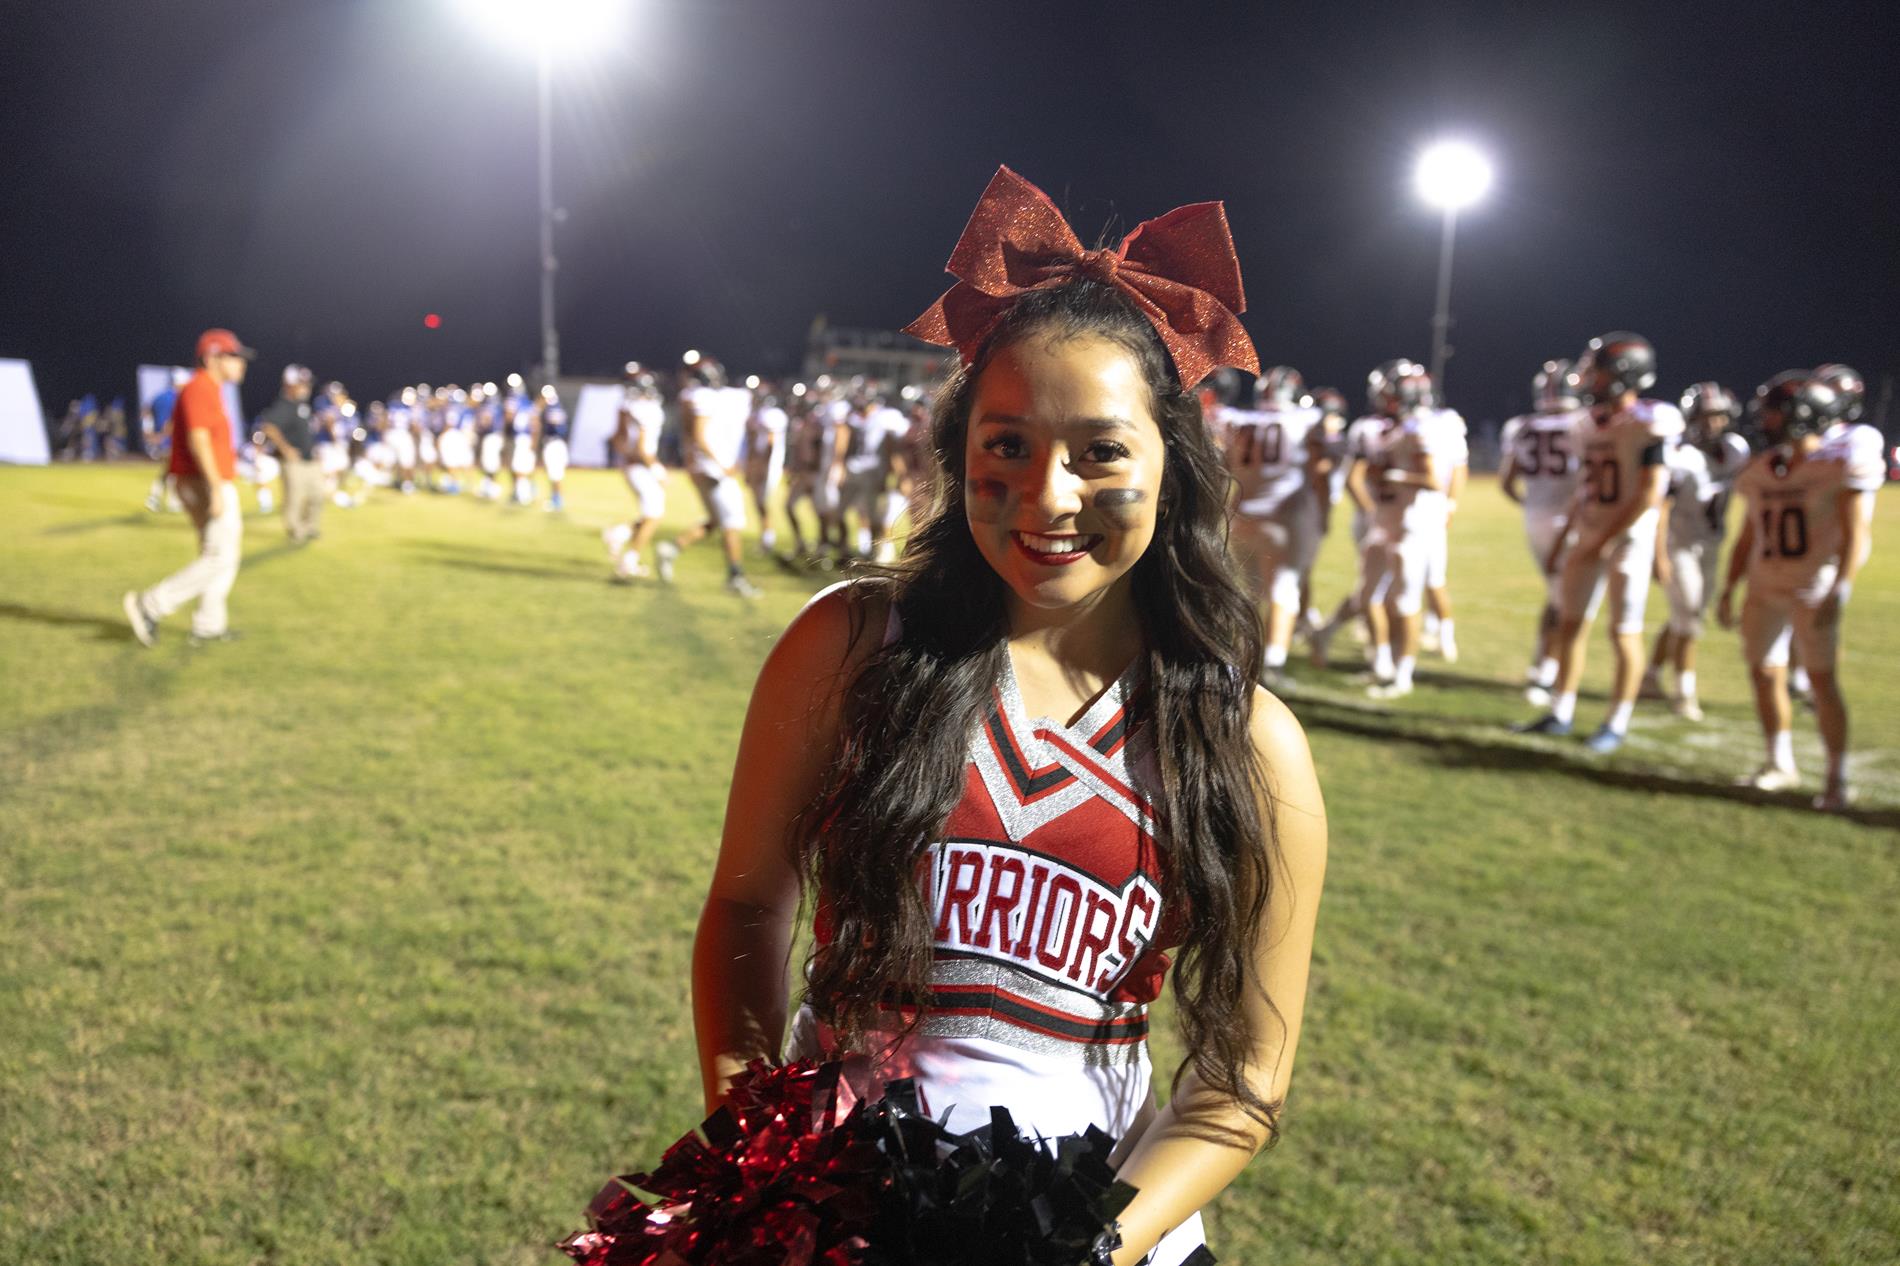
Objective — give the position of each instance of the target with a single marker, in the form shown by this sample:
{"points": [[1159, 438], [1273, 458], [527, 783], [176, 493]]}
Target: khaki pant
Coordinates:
{"points": [[303, 498], [208, 577]]}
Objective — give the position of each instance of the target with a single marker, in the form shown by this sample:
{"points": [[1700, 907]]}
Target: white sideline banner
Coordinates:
{"points": [[596, 416], [22, 425]]}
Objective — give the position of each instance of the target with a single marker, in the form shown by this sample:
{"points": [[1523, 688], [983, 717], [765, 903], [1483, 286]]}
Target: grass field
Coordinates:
{"points": [[364, 939]]}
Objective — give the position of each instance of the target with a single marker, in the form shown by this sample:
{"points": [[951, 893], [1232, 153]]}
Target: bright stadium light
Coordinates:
{"points": [[1450, 176], [691, 357], [752, 382], [798, 388], [548, 29], [564, 27]]}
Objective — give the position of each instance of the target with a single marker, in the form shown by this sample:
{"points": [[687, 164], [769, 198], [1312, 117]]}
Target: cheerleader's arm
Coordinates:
{"points": [[1202, 1139], [742, 949]]}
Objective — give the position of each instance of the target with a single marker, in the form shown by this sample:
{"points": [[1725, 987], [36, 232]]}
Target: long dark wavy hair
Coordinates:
{"points": [[909, 710]]}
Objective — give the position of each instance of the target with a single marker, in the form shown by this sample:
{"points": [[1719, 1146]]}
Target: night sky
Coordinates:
{"points": [[320, 175]]}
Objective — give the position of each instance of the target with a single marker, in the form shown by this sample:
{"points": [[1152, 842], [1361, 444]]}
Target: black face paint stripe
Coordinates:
{"points": [[1109, 497]]}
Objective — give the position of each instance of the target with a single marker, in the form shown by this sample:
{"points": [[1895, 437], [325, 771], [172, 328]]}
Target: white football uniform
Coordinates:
{"points": [[1546, 451], [1618, 453], [827, 497], [1794, 505], [1276, 509], [1699, 482], [722, 414], [868, 463], [1406, 516], [646, 479], [1453, 451], [765, 448]]}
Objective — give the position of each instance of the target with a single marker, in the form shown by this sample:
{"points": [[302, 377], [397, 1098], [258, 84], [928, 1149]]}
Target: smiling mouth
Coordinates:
{"points": [[1055, 551]]}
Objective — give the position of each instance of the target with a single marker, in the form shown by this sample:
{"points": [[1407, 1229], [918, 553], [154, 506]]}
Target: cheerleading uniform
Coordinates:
{"points": [[1050, 934]]}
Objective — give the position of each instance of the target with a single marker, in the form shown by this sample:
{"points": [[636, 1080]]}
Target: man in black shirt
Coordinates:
{"points": [[286, 424]]}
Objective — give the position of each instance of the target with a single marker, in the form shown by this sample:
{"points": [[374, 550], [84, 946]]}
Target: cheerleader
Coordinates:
{"points": [[1023, 769]]}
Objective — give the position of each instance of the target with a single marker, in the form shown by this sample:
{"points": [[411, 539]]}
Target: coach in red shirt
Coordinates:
{"points": [[205, 469]]}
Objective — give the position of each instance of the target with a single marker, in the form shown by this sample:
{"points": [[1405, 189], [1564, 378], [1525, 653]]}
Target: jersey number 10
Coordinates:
{"points": [[1261, 445], [1784, 532]]}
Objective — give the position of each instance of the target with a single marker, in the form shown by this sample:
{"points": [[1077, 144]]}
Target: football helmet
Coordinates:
{"points": [[1398, 386], [1330, 401], [1849, 386], [1615, 363], [1280, 387], [1792, 404], [1705, 398], [1555, 386]]}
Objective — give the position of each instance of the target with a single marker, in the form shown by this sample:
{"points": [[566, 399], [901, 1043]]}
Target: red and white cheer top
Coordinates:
{"points": [[1050, 934]]}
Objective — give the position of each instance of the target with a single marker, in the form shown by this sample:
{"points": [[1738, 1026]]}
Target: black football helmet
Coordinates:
{"points": [[1792, 404], [1849, 386], [1398, 386], [1555, 386], [1330, 401], [1615, 363], [1280, 387]]}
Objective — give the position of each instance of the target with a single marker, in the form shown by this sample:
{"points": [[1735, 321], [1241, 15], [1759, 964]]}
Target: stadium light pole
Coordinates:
{"points": [[549, 27], [1450, 175]]}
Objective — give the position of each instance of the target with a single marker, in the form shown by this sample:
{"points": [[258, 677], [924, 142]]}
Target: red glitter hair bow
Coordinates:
{"points": [[1179, 270]]}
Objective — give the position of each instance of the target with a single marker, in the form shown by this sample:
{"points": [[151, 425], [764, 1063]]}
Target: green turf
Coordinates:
{"points": [[364, 939]]}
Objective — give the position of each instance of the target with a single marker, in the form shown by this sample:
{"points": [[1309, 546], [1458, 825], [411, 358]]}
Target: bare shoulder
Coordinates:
{"points": [[1279, 742], [830, 638]]}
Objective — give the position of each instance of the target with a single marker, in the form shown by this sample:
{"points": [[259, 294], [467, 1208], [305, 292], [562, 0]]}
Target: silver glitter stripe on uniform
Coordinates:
{"points": [[1082, 1007], [992, 1028]]}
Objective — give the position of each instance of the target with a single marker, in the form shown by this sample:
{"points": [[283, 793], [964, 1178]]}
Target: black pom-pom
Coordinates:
{"points": [[792, 1172]]}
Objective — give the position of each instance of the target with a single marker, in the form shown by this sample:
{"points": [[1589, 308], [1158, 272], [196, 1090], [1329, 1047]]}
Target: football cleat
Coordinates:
{"points": [[1834, 800], [209, 639], [1389, 690], [144, 627], [739, 586], [1687, 708], [1537, 696], [1604, 741], [665, 554], [1771, 777], [1547, 725]]}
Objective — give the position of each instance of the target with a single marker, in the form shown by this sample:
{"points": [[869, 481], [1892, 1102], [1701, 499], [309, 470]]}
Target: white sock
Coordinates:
{"points": [[1431, 625], [1447, 636], [1620, 717], [1781, 749], [1564, 707], [1685, 684], [1547, 671], [1403, 675], [1798, 680], [768, 538], [1276, 657], [1382, 660]]}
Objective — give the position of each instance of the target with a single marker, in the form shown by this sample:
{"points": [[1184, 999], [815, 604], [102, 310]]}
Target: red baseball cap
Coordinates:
{"points": [[217, 342]]}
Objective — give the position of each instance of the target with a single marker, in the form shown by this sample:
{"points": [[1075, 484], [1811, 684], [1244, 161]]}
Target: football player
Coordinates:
{"points": [[712, 423], [1701, 469], [1454, 459], [1356, 448], [1803, 540], [804, 470], [1277, 456], [1543, 453], [521, 418], [765, 435], [553, 433], [635, 448], [1611, 528]]}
